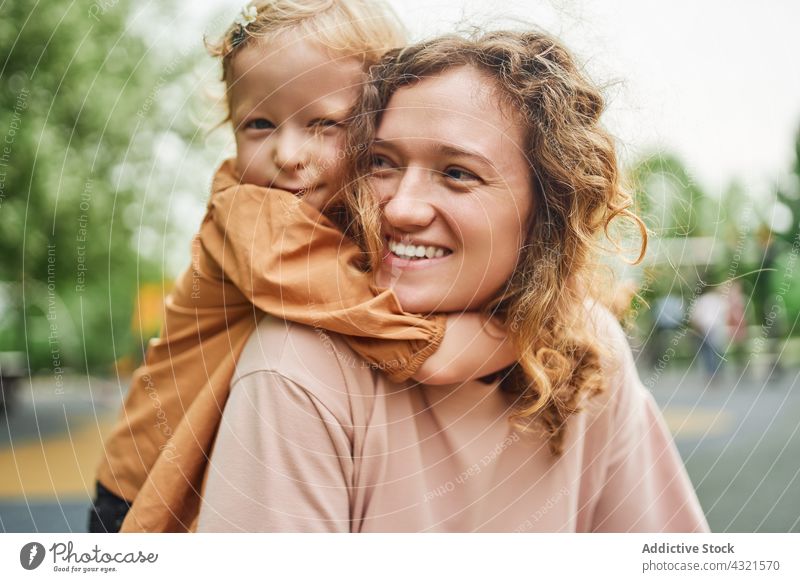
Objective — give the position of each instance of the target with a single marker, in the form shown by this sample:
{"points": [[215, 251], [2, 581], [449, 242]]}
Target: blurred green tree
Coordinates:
{"points": [[76, 86], [780, 251], [672, 202]]}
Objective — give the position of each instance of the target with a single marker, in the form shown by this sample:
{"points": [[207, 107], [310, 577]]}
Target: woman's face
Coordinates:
{"points": [[455, 189]]}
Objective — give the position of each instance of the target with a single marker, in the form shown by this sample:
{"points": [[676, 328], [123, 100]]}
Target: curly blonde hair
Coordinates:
{"points": [[363, 29], [579, 193]]}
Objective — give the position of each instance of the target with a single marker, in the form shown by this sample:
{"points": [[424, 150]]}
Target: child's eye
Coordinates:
{"points": [[323, 124], [460, 174], [259, 124]]}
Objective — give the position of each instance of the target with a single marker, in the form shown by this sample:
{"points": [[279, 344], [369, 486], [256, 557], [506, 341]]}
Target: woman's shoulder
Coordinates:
{"points": [[318, 361], [611, 337], [599, 314], [294, 350], [623, 387]]}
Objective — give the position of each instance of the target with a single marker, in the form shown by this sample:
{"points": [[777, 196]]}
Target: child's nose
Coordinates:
{"points": [[291, 151]]}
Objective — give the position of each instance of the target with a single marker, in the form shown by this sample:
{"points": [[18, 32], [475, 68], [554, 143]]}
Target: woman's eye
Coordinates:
{"points": [[460, 175], [259, 124], [380, 163]]}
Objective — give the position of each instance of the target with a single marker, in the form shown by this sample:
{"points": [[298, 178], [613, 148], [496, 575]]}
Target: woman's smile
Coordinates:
{"points": [[411, 250]]}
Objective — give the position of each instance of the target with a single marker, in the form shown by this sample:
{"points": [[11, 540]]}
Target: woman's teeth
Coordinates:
{"points": [[409, 251]]}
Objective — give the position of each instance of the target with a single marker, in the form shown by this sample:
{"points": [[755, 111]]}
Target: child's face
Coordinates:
{"points": [[289, 98]]}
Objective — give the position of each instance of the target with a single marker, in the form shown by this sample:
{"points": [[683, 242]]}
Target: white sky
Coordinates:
{"points": [[714, 81]]}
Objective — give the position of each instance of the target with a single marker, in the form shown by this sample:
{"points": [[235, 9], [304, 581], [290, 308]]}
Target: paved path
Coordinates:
{"points": [[739, 438], [49, 447]]}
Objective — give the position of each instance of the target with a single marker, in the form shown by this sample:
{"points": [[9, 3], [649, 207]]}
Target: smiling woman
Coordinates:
{"points": [[487, 184], [515, 169], [452, 177]]}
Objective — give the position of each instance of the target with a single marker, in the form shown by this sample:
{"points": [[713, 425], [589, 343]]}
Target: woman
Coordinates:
{"points": [[486, 186]]}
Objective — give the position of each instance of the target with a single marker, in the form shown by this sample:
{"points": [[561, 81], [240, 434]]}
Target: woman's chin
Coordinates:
{"points": [[420, 306], [413, 299]]}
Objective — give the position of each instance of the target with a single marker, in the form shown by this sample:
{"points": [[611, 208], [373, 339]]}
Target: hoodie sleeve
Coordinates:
{"points": [[290, 261]]}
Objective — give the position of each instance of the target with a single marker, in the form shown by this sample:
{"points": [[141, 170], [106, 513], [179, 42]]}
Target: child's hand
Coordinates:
{"points": [[472, 347]]}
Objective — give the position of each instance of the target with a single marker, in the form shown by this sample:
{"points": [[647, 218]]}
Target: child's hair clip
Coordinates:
{"points": [[247, 16]]}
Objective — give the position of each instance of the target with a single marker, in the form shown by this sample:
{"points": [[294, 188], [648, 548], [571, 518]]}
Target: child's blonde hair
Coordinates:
{"points": [[362, 29]]}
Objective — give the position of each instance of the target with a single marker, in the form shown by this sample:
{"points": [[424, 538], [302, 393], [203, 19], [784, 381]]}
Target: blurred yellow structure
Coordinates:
{"points": [[57, 466], [146, 321], [148, 310]]}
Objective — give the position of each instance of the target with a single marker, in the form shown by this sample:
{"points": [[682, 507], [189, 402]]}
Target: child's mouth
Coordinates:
{"points": [[300, 192]]}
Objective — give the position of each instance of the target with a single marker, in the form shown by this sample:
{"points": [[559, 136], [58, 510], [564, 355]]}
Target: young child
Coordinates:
{"points": [[292, 70]]}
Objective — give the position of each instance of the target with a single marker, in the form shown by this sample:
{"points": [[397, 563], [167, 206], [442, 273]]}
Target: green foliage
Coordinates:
{"points": [[763, 260], [74, 90], [672, 203], [784, 282], [789, 195]]}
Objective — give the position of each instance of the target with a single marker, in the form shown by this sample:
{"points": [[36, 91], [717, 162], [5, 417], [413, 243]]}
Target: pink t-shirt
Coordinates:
{"points": [[314, 440]]}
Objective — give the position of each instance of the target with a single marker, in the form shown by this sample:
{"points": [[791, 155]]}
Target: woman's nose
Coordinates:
{"points": [[407, 207], [291, 150]]}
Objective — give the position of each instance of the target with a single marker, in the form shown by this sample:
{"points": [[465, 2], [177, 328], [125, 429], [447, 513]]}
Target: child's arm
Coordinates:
{"points": [[290, 261], [473, 347]]}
